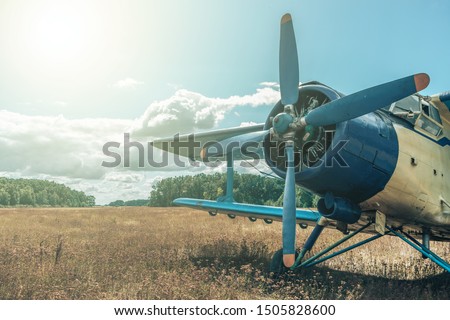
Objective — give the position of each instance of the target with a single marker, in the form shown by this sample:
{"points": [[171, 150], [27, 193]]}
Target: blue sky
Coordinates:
{"points": [[69, 66], [217, 48]]}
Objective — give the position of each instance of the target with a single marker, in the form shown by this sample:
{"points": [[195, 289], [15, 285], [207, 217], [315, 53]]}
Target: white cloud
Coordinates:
{"points": [[71, 151], [273, 85], [189, 111], [124, 177], [128, 83], [54, 145]]}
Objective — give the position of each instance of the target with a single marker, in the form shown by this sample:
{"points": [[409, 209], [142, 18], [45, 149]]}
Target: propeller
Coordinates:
{"points": [[289, 79], [367, 100]]}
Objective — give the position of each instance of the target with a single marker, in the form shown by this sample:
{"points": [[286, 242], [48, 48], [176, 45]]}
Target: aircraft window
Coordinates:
{"points": [[407, 104], [426, 109], [408, 108], [429, 126], [435, 114]]}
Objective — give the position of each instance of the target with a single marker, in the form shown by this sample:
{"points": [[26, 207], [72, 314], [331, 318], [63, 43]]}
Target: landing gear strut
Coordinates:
{"points": [[277, 266]]}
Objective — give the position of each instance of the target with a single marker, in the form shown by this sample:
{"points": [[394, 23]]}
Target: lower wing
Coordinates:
{"points": [[268, 213]]}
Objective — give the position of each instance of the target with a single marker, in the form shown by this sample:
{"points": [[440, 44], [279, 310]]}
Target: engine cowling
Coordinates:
{"points": [[353, 159], [311, 143]]}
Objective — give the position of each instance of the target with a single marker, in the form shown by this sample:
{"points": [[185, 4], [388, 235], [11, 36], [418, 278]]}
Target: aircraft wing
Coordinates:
{"points": [[306, 216], [191, 145]]}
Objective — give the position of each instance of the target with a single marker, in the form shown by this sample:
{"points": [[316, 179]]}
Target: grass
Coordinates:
{"points": [[178, 253]]}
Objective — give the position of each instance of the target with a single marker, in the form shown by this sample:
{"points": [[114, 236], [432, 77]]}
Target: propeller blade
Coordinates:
{"points": [[289, 217], [288, 62], [366, 101]]}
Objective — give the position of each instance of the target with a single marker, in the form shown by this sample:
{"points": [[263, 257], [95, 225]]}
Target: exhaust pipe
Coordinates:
{"points": [[339, 209]]}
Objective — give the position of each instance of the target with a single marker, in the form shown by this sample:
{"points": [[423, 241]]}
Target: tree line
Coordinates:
{"points": [[41, 193], [129, 203], [248, 188]]}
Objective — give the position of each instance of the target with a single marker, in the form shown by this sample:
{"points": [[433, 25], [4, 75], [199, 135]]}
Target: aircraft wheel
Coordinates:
{"points": [[277, 267]]}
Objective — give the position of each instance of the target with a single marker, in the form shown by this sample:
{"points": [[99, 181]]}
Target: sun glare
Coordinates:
{"points": [[56, 44], [59, 34]]}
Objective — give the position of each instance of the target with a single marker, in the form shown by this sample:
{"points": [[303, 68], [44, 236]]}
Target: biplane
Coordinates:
{"points": [[378, 158]]}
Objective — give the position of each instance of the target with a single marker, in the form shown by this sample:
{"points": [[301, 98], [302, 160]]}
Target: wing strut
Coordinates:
{"points": [[230, 180]]}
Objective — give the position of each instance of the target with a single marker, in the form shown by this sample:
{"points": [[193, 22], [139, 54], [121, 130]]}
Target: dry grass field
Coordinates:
{"points": [[177, 253]]}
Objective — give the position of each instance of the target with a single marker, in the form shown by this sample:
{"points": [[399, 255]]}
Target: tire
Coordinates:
{"points": [[277, 267]]}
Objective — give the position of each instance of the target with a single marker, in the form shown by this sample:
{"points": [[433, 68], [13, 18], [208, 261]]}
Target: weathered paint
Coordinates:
{"points": [[420, 181]]}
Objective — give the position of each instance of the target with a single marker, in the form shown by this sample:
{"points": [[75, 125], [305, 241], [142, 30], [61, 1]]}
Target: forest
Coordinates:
{"points": [[248, 188], [129, 203], [41, 193]]}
